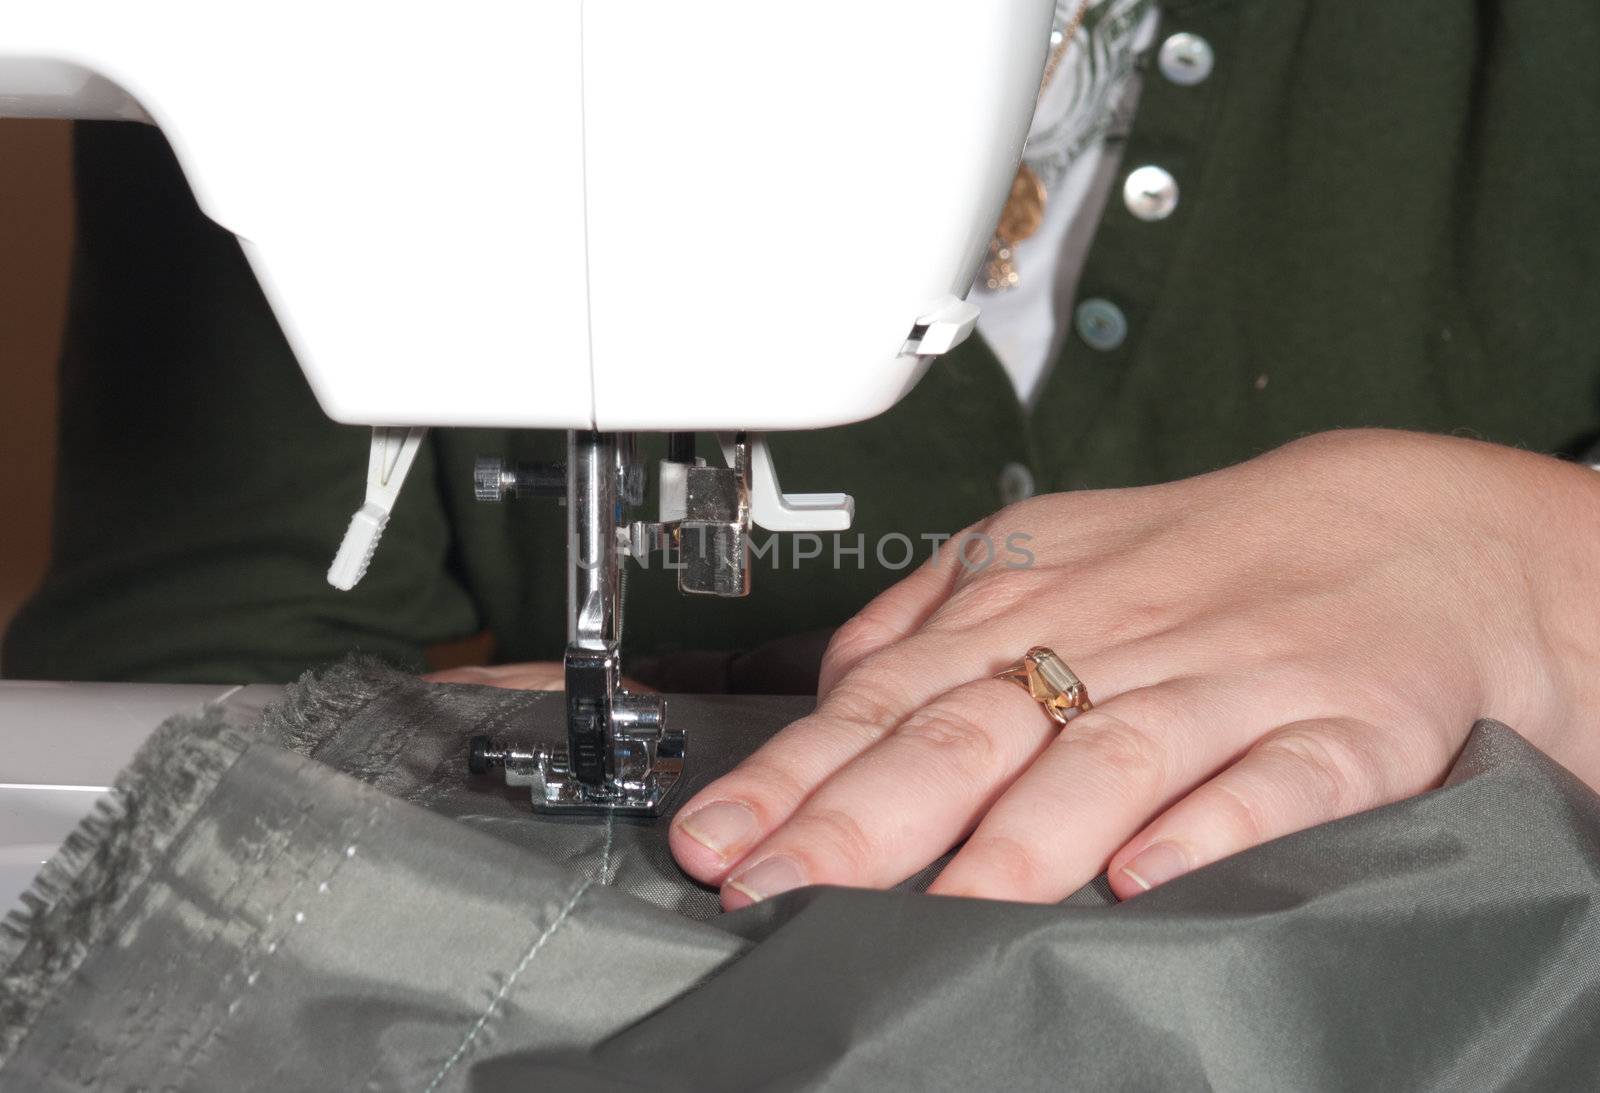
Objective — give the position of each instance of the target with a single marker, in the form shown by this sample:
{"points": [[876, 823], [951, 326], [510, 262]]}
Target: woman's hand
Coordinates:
{"points": [[1269, 647], [533, 675]]}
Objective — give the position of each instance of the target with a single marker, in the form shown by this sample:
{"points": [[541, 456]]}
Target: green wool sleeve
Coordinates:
{"points": [[201, 491]]}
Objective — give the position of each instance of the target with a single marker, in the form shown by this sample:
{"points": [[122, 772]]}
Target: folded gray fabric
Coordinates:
{"points": [[242, 917], [409, 739], [324, 900]]}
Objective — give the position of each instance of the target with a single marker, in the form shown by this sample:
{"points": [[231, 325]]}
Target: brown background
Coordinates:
{"points": [[35, 247]]}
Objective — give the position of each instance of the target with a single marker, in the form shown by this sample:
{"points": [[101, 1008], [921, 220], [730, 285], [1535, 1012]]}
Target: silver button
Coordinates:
{"points": [[1100, 323], [1150, 193], [1016, 483], [1186, 59]]}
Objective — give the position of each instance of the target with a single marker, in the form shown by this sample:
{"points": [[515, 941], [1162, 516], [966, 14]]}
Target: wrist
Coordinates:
{"points": [[1555, 512]]}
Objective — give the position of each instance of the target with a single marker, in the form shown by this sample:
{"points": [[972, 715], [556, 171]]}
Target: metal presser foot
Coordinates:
{"points": [[621, 755], [649, 762]]}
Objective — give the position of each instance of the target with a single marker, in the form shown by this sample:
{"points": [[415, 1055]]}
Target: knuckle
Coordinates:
{"points": [[862, 700], [992, 593], [1337, 774], [1137, 760], [860, 635], [1029, 514], [952, 735], [1137, 621], [835, 839], [765, 785], [1016, 868], [1271, 638], [1239, 813]]}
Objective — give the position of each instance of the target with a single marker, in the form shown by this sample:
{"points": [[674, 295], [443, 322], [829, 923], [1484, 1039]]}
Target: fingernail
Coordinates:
{"points": [[768, 878], [1157, 864], [721, 827]]}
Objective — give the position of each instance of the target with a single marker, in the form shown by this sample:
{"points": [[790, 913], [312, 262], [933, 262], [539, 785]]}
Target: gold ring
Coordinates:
{"points": [[1052, 684]]}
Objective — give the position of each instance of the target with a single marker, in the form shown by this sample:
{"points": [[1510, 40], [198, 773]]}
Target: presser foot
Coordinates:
{"points": [[647, 763]]}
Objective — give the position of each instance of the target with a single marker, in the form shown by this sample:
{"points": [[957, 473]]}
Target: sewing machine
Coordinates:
{"points": [[539, 202]]}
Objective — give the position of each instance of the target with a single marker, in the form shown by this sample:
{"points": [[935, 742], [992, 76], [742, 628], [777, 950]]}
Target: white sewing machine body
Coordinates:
{"points": [[578, 214], [603, 216]]}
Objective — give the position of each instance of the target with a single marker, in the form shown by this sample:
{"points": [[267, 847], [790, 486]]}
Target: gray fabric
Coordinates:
{"points": [[409, 739], [299, 929], [214, 929]]}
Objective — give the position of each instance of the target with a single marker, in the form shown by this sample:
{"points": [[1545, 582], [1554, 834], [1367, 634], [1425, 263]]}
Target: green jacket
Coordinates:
{"points": [[1387, 216]]}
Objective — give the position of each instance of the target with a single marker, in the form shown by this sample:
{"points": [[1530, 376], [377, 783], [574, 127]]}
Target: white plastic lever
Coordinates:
{"points": [[393, 450], [943, 328], [775, 510]]}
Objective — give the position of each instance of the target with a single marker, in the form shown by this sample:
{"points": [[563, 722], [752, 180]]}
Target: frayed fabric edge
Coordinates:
{"points": [[79, 894], [323, 699]]}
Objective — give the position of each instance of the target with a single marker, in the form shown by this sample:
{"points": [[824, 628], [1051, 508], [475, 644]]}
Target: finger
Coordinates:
{"points": [[720, 824], [725, 820], [893, 615], [1101, 780], [534, 676], [539, 675], [1299, 776], [905, 800]]}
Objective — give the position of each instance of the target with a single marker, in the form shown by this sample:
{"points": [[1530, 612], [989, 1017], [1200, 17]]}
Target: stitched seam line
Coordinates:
{"points": [[478, 1026], [605, 855]]}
